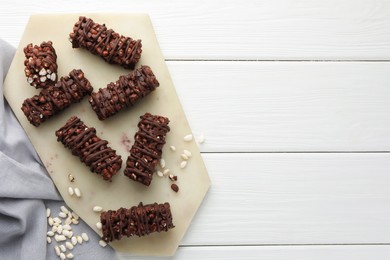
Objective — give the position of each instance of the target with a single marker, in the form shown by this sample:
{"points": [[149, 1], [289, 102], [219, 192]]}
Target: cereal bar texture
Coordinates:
{"points": [[40, 64], [54, 99], [106, 43], [146, 151], [93, 151], [123, 93], [139, 221]]}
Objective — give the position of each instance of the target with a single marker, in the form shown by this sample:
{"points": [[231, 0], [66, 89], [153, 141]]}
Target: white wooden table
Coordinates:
{"points": [[293, 98]]}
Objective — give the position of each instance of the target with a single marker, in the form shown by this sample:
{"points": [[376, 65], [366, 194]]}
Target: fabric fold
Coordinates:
{"points": [[26, 190]]}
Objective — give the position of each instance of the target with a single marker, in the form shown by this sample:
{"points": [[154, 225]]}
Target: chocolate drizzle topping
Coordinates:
{"points": [[146, 152], [123, 93], [55, 98], [93, 151], [139, 221], [106, 43]]}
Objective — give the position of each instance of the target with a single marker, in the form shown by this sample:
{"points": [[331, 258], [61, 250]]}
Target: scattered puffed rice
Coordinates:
{"points": [[97, 209], [63, 248], [188, 138], [65, 233], [73, 240], [59, 229], [71, 178], [162, 163], [66, 227], [99, 225], [50, 221], [68, 221], [61, 232], [85, 236], [59, 238], [70, 234], [160, 174], [54, 229], [166, 172], [173, 148], [77, 192], [57, 220], [64, 209], [102, 243], [172, 177], [188, 153], [183, 164], [75, 216], [69, 245], [184, 156], [201, 139], [70, 191], [57, 249]]}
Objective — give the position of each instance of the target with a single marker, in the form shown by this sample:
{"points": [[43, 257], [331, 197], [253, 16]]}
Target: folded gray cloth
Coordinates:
{"points": [[26, 190]]}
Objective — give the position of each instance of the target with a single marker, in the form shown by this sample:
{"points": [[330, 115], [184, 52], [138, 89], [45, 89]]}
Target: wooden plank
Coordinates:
{"points": [[286, 106], [229, 29], [362, 252], [294, 199]]}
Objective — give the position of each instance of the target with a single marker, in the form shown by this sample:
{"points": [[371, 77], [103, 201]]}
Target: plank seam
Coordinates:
{"points": [[274, 60], [300, 152], [286, 245]]}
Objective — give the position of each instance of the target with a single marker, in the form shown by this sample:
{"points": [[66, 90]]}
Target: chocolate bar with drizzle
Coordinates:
{"points": [[106, 43], [146, 151], [93, 151], [123, 93], [55, 98], [40, 64], [139, 221]]}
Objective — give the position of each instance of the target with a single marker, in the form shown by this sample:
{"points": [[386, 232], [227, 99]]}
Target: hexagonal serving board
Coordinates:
{"points": [[119, 130]]}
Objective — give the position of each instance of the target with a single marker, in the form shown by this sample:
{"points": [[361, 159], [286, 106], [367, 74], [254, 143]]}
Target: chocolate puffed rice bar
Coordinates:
{"points": [[146, 151], [55, 98], [40, 64], [123, 93], [139, 221], [106, 43], [93, 151]]}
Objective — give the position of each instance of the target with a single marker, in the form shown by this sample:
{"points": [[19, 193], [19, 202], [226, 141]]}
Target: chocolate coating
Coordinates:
{"points": [[56, 98], [93, 151], [40, 64], [139, 221], [123, 93], [146, 151], [106, 43]]}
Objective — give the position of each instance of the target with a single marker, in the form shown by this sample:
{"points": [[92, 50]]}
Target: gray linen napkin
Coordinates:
{"points": [[26, 190]]}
